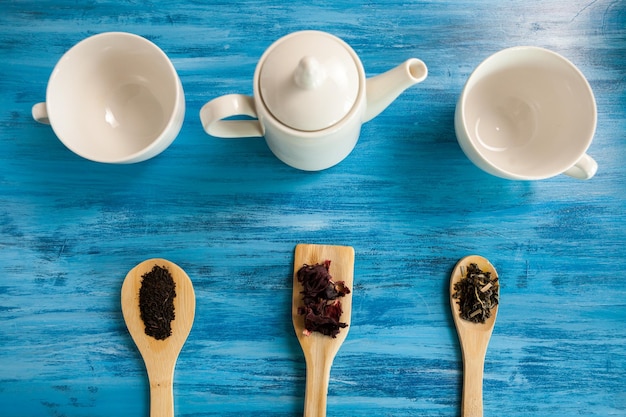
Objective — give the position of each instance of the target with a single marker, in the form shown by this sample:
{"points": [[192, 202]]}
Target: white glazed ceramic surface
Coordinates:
{"points": [[293, 140], [309, 80], [527, 113], [310, 99], [114, 97]]}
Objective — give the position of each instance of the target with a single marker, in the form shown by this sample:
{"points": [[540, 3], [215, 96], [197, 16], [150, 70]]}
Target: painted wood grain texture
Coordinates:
{"points": [[230, 214]]}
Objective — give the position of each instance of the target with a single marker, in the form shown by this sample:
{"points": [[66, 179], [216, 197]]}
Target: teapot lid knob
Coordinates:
{"points": [[309, 73], [310, 80]]}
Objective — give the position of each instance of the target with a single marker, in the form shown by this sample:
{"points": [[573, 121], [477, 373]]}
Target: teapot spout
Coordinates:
{"points": [[382, 89]]}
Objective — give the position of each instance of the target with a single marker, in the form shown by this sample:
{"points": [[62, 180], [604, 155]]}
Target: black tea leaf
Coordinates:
{"points": [[156, 302]]}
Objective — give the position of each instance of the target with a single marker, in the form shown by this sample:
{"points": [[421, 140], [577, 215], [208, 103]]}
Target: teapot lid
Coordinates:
{"points": [[309, 80]]}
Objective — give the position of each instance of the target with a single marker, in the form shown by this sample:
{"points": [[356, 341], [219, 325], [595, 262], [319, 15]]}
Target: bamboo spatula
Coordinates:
{"points": [[320, 350]]}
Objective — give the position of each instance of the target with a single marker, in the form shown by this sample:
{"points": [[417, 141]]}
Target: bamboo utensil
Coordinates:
{"points": [[320, 350], [474, 338], [160, 356]]}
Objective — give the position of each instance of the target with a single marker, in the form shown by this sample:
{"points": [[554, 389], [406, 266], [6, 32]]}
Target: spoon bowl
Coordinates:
{"points": [[160, 356], [320, 350], [474, 339]]}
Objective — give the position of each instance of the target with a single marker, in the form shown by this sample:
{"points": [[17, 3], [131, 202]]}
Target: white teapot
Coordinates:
{"points": [[310, 99]]}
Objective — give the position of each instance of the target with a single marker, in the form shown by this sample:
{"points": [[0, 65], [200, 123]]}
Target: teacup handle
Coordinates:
{"points": [[213, 113], [585, 168], [40, 113]]}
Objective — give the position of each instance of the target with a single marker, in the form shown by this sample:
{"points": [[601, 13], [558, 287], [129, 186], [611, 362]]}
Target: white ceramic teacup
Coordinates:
{"points": [[114, 97], [527, 113]]}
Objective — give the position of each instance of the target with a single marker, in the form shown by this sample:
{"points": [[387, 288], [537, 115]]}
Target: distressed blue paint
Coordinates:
{"points": [[230, 214]]}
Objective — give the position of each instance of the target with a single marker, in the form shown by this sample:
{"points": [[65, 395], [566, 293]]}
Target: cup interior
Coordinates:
{"points": [[528, 112], [112, 96]]}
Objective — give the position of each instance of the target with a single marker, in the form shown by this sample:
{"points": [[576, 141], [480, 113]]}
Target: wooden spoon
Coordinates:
{"points": [[320, 350], [474, 338], [159, 355]]}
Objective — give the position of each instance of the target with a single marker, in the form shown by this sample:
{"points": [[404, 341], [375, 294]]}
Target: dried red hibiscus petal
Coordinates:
{"points": [[320, 296]]}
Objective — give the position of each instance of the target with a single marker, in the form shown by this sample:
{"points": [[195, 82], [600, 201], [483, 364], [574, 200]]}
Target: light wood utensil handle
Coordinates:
{"points": [[161, 395], [316, 394], [161, 379], [472, 402]]}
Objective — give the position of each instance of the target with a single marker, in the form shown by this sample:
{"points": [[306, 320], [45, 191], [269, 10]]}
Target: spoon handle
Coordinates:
{"points": [[161, 392], [472, 402], [316, 392]]}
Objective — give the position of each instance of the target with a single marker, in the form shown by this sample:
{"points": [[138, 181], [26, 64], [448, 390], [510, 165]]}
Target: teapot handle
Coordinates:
{"points": [[213, 113]]}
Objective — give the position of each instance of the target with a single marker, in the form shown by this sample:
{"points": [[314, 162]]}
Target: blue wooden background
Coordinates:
{"points": [[230, 214]]}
